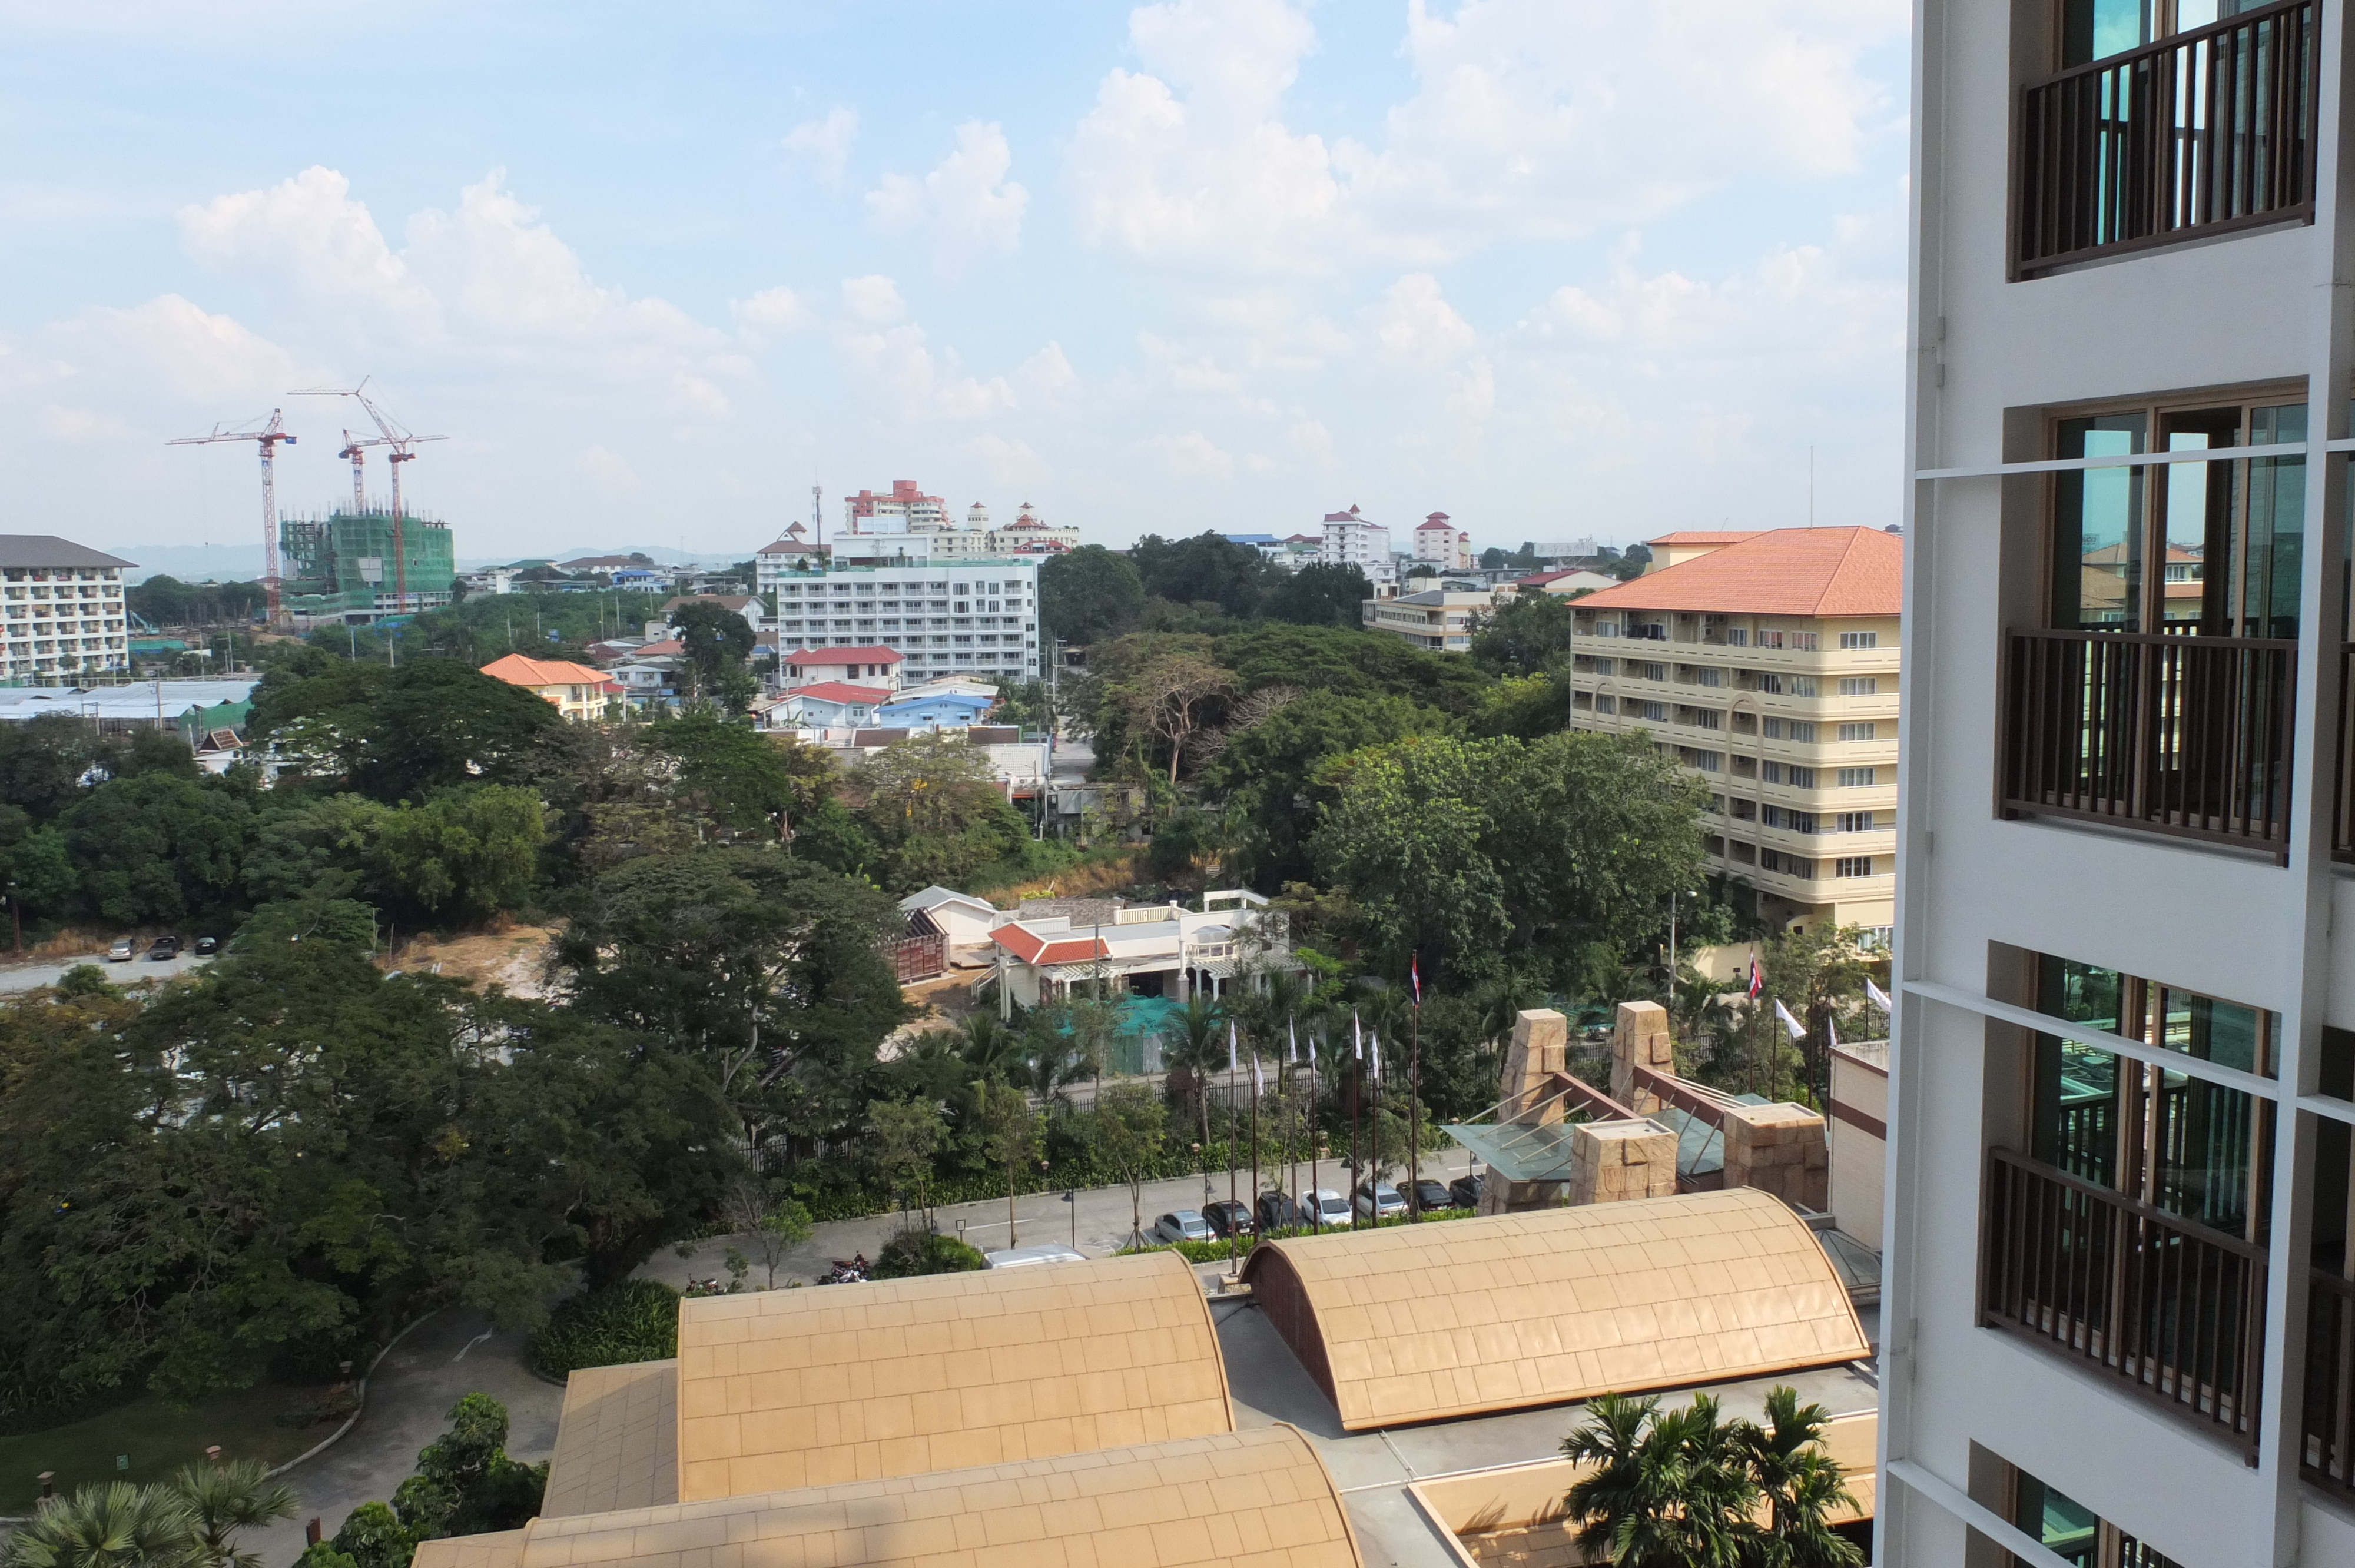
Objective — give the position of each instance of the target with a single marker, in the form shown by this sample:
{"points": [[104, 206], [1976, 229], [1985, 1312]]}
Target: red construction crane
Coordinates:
{"points": [[266, 436], [392, 434]]}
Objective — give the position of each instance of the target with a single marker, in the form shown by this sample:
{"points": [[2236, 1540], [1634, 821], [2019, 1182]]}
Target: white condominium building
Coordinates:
{"points": [[1766, 662], [980, 616], [1351, 541], [61, 609], [2119, 1324]]}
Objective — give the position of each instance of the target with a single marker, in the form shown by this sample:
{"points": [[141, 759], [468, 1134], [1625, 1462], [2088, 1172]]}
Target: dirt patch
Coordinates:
{"points": [[515, 958], [1089, 879]]}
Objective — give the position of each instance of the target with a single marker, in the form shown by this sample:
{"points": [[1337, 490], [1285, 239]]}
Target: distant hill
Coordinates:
{"points": [[242, 563]]}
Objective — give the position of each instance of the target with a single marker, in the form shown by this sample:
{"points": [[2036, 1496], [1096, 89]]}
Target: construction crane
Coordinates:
{"points": [[267, 436], [399, 439]]}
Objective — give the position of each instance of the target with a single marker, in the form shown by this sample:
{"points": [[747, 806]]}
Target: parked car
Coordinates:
{"points": [[1277, 1212], [1228, 1217], [1330, 1210], [123, 951], [165, 947], [1464, 1192], [1427, 1195], [207, 946], [1380, 1199], [1185, 1225]]}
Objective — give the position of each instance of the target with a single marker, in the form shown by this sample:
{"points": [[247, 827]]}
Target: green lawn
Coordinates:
{"points": [[158, 1439]]}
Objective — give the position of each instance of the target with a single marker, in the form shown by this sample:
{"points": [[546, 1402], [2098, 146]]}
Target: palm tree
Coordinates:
{"points": [[1197, 1048], [113, 1525], [1802, 1485], [223, 1499], [1670, 1490]]}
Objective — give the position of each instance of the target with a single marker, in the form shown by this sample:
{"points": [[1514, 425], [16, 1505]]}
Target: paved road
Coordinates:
{"points": [[452, 1353], [26, 977]]}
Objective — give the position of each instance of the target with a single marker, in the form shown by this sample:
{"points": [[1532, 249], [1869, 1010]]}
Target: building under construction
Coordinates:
{"points": [[344, 567]]}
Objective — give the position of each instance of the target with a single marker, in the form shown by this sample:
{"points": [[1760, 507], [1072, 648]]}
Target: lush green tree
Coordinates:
{"points": [[1270, 772], [1666, 1488], [226, 1500], [111, 1525], [158, 848], [1129, 1128], [913, 1252], [396, 733], [1171, 697], [1350, 663], [43, 761], [1319, 595], [1006, 1131], [373, 1537], [1602, 827], [1802, 1484], [1527, 635], [1412, 838], [1208, 568], [1525, 706], [463, 855], [36, 864], [1088, 594], [936, 812], [466, 1484], [346, 921], [903, 1140], [716, 642]]}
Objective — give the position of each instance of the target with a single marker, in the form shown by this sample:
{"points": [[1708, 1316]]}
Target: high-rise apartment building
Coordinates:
{"points": [[2119, 1324], [1767, 664], [977, 616], [61, 609], [1439, 542], [1351, 541]]}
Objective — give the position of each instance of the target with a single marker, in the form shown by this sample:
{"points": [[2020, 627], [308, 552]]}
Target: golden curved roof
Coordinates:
{"points": [[1420, 1322], [785, 1389], [1152, 1505], [617, 1440]]}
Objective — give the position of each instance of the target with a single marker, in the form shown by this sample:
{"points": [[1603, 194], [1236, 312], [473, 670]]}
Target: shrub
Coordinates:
{"points": [[636, 1320], [923, 1252]]}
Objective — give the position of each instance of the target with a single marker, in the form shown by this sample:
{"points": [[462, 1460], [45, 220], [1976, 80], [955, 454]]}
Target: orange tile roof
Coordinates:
{"points": [[1705, 537], [837, 692], [1033, 948], [518, 671], [1781, 571]]}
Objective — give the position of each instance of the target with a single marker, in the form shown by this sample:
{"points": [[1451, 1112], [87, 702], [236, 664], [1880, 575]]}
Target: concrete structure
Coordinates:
{"points": [[1027, 534], [826, 705], [1423, 1323], [1640, 1040], [1857, 1132], [354, 567], [965, 921], [1153, 949], [61, 609], [1351, 541], [976, 617], [1569, 583], [904, 509], [792, 551], [2126, 926], [1439, 619], [1614, 1161], [575, 691], [1443, 545], [935, 710], [1768, 666]]}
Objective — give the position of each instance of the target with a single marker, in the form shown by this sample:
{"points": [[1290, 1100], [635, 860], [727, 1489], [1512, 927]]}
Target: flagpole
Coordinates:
{"points": [[1371, 1175], [1414, 1113], [1356, 1109], [1315, 1143], [1230, 1110], [1255, 1202]]}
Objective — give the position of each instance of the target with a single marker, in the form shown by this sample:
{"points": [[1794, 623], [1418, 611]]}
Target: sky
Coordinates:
{"points": [[1556, 268]]}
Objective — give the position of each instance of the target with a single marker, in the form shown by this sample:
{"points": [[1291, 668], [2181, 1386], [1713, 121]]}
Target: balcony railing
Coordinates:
{"points": [[2183, 735], [2207, 131], [2327, 1455], [2171, 1309], [2342, 817]]}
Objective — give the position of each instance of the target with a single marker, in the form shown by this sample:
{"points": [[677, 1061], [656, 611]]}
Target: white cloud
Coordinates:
{"points": [[777, 309], [873, 299], [309, 231], [966, 208], [1008, 460], [1193, 454], [1415, 320], [609, 468], [916, 383], [1476, 390], [825, 144], [62, 424], [199, 356], [1047, 378]]}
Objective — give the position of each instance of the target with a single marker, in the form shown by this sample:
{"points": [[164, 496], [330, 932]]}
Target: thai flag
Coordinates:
{"points": [[1757, 976], [1414, 973]]}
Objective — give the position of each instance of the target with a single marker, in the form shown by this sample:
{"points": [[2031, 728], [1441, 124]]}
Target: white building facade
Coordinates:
{"points": [[2118, 1325], [61, 609], [965, 617], [1440, 543], [1351, 541]]}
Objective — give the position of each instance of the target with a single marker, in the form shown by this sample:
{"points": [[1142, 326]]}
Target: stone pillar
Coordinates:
{"points": [[1640, 1038], [1539, 1049], [1616, 1161], [1778, 1148]]}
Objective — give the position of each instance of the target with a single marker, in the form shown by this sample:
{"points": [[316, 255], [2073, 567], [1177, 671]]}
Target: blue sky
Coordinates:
{"points": [[1555, 267]]}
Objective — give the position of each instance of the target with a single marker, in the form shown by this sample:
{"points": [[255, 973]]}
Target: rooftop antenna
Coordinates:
{"points": [[267, 436], [817, 511]]}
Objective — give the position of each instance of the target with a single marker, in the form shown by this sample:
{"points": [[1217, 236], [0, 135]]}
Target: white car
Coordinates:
{"points": [[1183, 1226], [1031, 1256], [1380, 1199], [1329, 1209]]}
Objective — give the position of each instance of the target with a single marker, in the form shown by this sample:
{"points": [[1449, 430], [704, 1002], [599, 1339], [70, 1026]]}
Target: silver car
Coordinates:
{"points": [[1328, 1209], [1185, 1225], [1382, 1200]]}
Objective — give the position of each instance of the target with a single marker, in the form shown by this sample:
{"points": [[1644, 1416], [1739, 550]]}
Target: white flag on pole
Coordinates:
{"points": [[1259, 1079], [1232, 1066], [1879, 997], [1356, 1036], [1798, 1030], [1831, 1033], [1292, 1037], [1378, 1058]]}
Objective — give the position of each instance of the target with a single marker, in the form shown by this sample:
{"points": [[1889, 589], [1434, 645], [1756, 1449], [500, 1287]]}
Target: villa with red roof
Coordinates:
{"points": [[577, 690], [1766, 662]]}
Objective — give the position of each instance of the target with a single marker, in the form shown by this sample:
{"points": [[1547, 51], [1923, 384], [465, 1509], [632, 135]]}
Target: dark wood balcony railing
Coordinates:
{"points": [[2327, 1456], [2186, 735], [2342, 817], [2170, 1309], [2210, 129]]}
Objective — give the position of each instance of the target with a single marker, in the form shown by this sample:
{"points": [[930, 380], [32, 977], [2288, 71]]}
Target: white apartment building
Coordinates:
{"points": [[2118, 1323], [1439, 542], [61, 609], [1441, 619], [1351, 541], [978, 617]]}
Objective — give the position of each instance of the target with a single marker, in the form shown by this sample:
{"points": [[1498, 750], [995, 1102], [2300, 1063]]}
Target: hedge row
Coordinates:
{"points": [[636, 1320]]}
